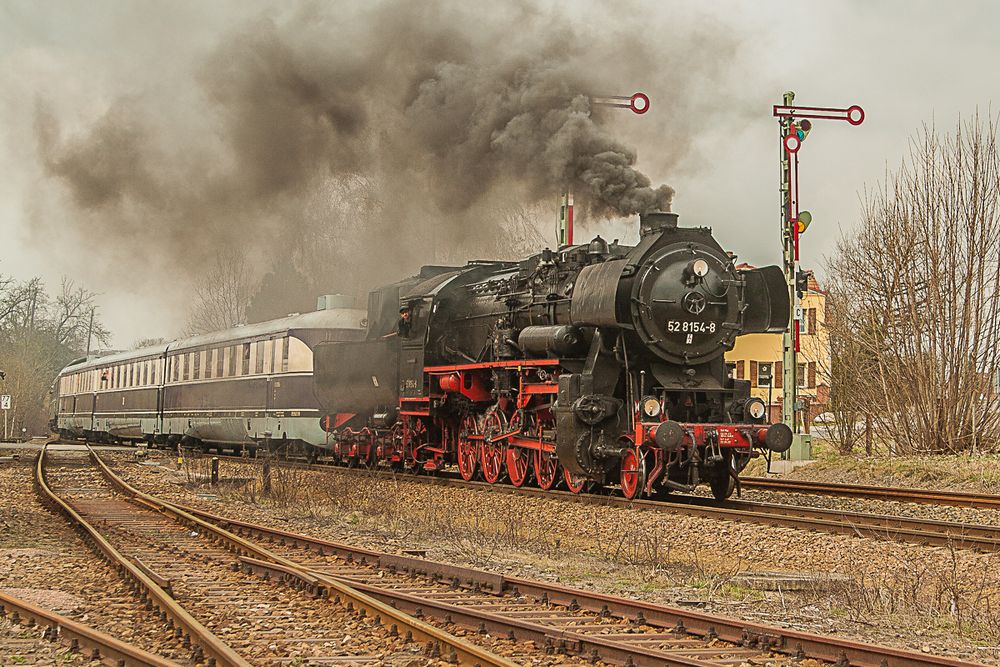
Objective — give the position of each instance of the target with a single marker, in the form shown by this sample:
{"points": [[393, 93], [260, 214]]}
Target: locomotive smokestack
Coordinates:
{"points": [[656, 221]]}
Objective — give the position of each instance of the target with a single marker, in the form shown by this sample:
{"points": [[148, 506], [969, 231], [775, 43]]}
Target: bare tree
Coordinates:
{"points": [[221, 298], [38, 336], [72, 318], [919, 297]]}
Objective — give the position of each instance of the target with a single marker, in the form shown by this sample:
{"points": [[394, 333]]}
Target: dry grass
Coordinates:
{"points": [[396, 512]]}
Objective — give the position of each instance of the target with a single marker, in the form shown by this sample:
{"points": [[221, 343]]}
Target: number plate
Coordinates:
{"points": [[679, 326]]}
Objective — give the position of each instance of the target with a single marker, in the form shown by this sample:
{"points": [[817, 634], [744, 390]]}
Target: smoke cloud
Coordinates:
{"points": [[359, 142]]}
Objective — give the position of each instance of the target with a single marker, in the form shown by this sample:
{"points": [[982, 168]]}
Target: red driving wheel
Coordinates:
{"points": [[518, 459], [468, 455], [491, 454], [633, 473], [573, 483], [546, 470]]}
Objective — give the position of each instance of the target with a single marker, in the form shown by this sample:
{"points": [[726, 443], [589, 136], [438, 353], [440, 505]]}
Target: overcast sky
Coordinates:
{"points": [[907, 63]]}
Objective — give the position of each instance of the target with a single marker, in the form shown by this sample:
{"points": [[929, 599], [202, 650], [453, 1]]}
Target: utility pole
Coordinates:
{"points": [[638, 103], [90, 329], [794, 124]]}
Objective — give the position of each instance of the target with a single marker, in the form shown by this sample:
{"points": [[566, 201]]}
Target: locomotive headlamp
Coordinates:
{"points": [[754, 408], [650, 407], [698, 267]]}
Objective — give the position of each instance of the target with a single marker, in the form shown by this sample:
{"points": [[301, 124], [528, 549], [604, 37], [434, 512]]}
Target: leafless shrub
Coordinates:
{"points": [[935, 589]]}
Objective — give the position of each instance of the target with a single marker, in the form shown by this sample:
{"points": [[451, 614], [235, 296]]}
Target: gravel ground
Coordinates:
{"points": [[932, 599], [43, 561], [24, 646]]}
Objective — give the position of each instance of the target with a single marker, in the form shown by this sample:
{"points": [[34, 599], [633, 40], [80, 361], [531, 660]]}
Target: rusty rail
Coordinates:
{"points": [[79, 636], [901, 494], [983, 538], [212, 648], [321, 585], [789, 642]]}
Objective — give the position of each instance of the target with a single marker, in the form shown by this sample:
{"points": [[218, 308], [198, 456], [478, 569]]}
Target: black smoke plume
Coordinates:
{"points": [[377, 133]]}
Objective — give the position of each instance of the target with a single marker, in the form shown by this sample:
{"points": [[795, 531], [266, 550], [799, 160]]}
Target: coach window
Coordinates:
{"points": [[196, 375], [230, 367], [174, 370], [284, 354], [219, 358], [245, 364], [258, 366], [268, 356]]}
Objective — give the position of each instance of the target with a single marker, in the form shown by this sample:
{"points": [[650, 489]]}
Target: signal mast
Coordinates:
{"points": [[794, 124]]}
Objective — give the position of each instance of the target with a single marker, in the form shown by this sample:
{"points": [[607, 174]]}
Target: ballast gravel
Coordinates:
{"points": [[936, 600]]}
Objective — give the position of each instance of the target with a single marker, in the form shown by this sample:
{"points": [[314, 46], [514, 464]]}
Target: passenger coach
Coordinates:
{"points": [[232, 389]]}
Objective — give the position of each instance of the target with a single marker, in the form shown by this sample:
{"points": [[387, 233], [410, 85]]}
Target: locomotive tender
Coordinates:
{"points": [[598, 363], [239, 388]]}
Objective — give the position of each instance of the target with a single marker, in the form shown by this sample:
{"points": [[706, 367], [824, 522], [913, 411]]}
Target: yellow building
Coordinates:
{"points": [[753, 352]]}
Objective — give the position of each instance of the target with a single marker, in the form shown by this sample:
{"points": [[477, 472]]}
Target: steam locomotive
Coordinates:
{"points": [[592, 364]]}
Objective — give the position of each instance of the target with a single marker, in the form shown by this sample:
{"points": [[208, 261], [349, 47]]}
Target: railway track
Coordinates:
{"points": [[928, 532], [558, 618], [901, 494], [79, 638], [186, 569]]}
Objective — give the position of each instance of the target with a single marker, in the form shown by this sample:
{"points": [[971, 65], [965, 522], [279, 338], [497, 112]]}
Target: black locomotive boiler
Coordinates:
{"points": [[598, 363]]}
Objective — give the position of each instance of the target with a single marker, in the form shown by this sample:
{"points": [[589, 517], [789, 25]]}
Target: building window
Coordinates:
{"points": [[800, 375]]}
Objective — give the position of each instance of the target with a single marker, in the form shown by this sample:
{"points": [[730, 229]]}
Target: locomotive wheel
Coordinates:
{"points": [[723, 483], [573, 483], [517, 465], [491, 454], [468, 454], [633, 473], [546, 470]]}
